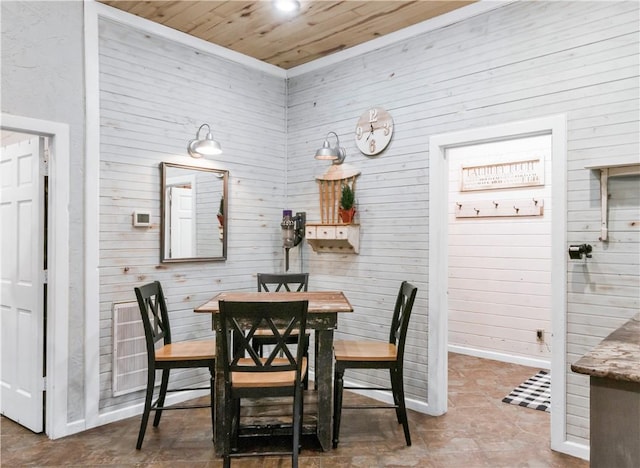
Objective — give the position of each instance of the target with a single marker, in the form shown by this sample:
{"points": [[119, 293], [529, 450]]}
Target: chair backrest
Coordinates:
{"points": [[401, 315], [241, 320], [155, 317], [276, 282]]}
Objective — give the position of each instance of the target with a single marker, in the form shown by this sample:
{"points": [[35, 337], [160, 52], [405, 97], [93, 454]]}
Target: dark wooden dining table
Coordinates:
{"points": [[323, 310]]}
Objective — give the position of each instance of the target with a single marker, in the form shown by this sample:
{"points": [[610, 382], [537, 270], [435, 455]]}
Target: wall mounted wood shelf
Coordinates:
{"points": [[336, 238], [612, 168]]}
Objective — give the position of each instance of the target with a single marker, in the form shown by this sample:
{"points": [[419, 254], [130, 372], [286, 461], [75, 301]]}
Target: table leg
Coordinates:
{"points": [[218, 430], [324, 377]]}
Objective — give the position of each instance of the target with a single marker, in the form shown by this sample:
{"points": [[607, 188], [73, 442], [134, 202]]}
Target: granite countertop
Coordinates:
{"points": [[616, 357]]}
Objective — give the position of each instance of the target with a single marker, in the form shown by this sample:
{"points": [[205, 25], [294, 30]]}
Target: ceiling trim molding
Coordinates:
{"points": [[469, 11], [106, 11], [441, 21]]}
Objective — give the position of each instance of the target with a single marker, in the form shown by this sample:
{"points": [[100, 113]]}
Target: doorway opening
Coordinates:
{"points": [[23, 166], [51, 268], [555, 128], [499, 236]]}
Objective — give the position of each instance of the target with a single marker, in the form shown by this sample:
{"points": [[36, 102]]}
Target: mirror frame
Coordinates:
{"points": [[224, 175]]}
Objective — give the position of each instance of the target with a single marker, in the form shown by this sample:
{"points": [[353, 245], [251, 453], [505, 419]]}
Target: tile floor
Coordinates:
{"points": [[478, 431]]}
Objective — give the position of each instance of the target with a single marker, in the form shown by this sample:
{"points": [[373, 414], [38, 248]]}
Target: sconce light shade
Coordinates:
{"points": [[336, 153], [198, 148]]}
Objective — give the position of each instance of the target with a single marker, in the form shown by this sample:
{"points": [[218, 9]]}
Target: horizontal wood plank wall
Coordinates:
{"points": [[524, 60], [154, 95], [500, 267]]}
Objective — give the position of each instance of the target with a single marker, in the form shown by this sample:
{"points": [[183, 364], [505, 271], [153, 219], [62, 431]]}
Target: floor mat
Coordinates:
{"points": [[533, 393]]}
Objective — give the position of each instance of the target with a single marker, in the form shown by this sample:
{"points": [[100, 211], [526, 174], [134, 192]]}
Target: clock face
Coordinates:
{"points": [[374, 130]]}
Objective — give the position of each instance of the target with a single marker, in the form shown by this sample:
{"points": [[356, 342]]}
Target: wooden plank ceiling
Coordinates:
{"points": [[256, 29]]}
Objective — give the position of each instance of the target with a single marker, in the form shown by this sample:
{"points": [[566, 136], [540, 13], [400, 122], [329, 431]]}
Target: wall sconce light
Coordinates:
{"points": [[577, 251], [198, 148], [337, 154], [292, 231]]}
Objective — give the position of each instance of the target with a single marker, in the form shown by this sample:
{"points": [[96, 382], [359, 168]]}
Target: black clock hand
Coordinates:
{"points": [[370, 133]]}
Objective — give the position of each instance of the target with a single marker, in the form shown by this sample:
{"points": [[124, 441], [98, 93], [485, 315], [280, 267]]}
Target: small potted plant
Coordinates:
{"points": [[220, 214], [347, 208]]}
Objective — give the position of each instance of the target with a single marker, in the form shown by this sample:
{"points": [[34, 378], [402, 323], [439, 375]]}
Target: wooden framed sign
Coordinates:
{"points": [[503, 174]]}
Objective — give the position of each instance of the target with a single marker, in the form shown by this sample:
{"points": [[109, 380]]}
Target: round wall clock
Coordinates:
{"points": [[373, 131]]}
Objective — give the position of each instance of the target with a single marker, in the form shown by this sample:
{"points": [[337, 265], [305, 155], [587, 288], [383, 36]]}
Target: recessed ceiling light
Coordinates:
{"points": [[288, 6]]}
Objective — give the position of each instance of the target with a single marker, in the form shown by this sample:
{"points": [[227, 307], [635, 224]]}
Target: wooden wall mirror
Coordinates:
{"points": [[194, 214]]}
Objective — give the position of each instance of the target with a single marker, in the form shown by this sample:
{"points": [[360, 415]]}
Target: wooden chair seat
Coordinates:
{"points": [[187, 351], [364, 351], [265, 379]]}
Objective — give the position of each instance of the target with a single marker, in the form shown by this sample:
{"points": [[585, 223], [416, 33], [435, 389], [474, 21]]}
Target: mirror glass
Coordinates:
{"points": [[194, 214]]}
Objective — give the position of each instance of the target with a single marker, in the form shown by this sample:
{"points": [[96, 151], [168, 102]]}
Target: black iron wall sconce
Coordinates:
{"points": [[576, 252], [292, 231]]}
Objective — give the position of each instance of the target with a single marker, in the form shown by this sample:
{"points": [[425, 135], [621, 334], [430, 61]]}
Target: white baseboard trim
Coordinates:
{"points": [[136, 410], [521, 360], [573, 449], [385, 397], [74, 427]]}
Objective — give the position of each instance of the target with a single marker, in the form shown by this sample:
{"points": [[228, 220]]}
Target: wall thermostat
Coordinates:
{"points": [[141, 218]]}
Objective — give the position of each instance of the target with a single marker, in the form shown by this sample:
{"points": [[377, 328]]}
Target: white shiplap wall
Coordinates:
{"points": [[154, 94], [524, 60]]}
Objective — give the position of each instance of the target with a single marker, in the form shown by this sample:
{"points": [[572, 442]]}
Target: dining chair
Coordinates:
{"points": [[249, 375], [280, 282], [376, 355], [170, 355]]}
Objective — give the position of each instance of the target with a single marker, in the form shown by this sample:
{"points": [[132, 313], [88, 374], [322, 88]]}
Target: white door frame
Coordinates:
{"points": [[58, 262], [438, 261]]}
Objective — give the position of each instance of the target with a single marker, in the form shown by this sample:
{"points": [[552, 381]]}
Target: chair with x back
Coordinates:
{"points": [[183, 354], [279, 282], [377, 355], [249, 375], [283, 282]]}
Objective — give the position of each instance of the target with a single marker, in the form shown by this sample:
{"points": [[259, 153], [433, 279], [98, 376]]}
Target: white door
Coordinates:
{"points": [[21, 294], [181, 219]]}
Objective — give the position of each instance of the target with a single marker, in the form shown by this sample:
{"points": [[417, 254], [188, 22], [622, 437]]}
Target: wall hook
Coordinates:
{"points": [[516, 208], [477, 211], [459, 205], [495, 204], [535, 202]]}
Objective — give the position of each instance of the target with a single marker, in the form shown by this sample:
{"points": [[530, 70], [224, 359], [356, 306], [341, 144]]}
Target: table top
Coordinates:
{"points": [[319, 301], [616, 357]]}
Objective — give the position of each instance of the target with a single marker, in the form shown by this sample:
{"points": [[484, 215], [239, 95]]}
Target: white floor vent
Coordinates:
{"points": [[129, 349]]}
